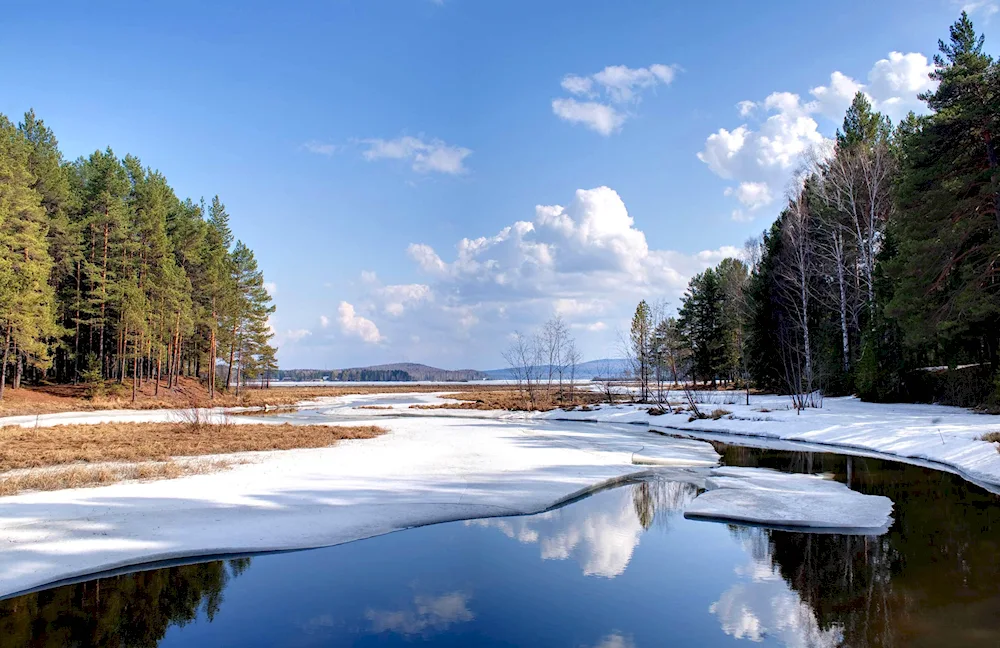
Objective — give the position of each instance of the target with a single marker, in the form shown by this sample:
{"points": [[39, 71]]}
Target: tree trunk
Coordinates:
{"points": [[212, 354], [17, 367], [991, 155], [3, 364], [232, 352], [104, 298]]}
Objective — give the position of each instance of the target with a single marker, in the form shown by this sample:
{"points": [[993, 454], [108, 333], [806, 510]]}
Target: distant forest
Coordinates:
{"points": [[398, 372], [106, 275]]}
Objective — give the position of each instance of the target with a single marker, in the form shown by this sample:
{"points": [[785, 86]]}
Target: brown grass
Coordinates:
{"points": [[47, 399], [507, 398], [81, 476], [138, 442], [992, 436], [374, 407]]}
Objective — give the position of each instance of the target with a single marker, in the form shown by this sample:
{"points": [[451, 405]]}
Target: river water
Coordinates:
{"points": [[620, 569]]}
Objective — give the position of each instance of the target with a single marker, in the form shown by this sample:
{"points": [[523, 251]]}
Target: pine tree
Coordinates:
{"points": [[27, 300], [947, 280], [640, 345], [702, 323]]}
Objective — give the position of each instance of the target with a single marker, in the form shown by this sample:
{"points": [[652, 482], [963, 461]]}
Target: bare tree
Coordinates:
{"points": [[522, 356], [857, 181], [571, 358], [795, 273], [554, 337]]}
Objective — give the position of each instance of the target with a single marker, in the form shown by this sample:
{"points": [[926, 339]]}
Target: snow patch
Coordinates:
{"points": [[775, 499]]}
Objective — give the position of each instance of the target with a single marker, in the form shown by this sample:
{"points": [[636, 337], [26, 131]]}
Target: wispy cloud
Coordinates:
{"points": [[321, 148], [426, 156], [615, 84]]}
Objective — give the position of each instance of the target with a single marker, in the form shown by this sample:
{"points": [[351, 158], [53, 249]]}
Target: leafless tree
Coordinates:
{"points": [[795, 272], [571, 358], [523, 356], [857, 181], [554, 337]]}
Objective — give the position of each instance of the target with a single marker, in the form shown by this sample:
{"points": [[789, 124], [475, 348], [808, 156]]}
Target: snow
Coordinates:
{"points": [[936, 436], [784, 500], [942, 437], [448, 464], [421, 472]]}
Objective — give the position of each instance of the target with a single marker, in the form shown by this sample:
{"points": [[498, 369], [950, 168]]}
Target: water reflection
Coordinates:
{"points": [[427, 615], [602, 536], [761, 604], [620, 569], [130, 610]]}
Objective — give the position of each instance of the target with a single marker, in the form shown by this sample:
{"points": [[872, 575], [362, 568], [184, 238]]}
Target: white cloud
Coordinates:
{"points": [[588, 260], [355, 325], [596, 116], [763, 157], [397, 298], [426, 156], [271, 288], [833, 100], [615, 84], [616, 640], [324, 321], [986, 8], [746, 107], [320, 148], [753, 195], [427, 615], [296, 335]]}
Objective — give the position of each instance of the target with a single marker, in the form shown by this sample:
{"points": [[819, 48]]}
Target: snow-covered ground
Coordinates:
{"points": [[436, 465], [939, 436], [777, 499], [422, 471]]}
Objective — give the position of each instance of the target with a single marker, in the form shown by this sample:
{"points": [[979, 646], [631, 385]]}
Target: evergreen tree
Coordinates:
{"points": [[947, 280], [702, 323]]}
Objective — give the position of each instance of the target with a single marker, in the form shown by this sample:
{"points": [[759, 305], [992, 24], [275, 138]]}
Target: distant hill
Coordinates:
{"points": [[397, 372], [606, 367]]}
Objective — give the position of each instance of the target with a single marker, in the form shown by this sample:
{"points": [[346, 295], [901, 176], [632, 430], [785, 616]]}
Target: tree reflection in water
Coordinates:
{"points": [[130, 610], [933, 580]]}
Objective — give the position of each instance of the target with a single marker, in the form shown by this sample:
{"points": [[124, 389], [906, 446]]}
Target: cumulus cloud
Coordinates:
{"points": [[425, 156], [762, 156], [397, 298], [587, 259], [271, 288], [615, 84], [355, 325], [597, 117], [296, 334], [324, 321]]}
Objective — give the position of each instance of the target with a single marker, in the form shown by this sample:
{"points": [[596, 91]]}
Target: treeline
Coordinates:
{"points": [[883, 267], [372, 375], [106, 275]]}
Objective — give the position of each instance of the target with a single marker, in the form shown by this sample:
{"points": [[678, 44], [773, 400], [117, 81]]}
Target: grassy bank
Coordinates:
{"points": [[48, 399], [69, 456]]}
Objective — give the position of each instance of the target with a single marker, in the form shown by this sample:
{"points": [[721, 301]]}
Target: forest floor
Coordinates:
{"points": [[72, 456], [49, 399]]}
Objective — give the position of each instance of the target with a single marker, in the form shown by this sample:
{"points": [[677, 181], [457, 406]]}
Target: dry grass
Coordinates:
{"points": [[992, 436], [189, 393], [508, 398], [81, 476], [374, 407], [138, 442]]}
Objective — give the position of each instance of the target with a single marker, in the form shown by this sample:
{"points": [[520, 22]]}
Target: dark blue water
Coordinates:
{"points": [[622, 568]]}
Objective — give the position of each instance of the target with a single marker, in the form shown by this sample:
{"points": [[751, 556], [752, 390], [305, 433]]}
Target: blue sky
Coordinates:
{"points": [[357, 144]]}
